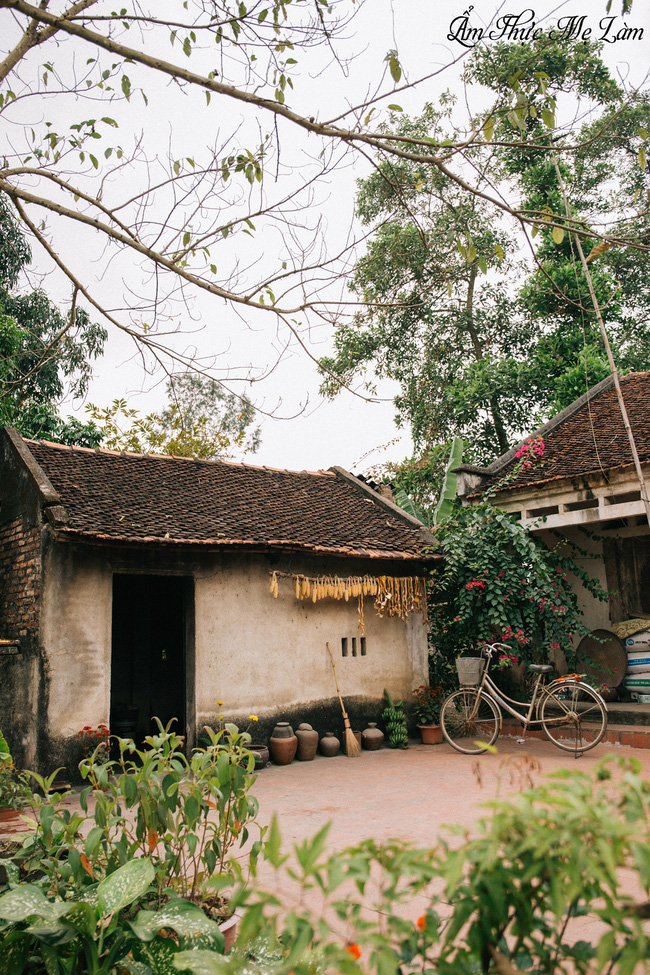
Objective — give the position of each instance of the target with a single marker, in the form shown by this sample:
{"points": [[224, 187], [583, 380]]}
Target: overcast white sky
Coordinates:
{"points": [[348, 430]]}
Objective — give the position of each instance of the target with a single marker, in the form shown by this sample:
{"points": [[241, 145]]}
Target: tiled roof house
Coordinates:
{"points": [[134, 585], [585, 489]]}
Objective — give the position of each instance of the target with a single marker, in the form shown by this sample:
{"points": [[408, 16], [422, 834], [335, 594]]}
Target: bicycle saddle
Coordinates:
{"points": [[541, 668]]}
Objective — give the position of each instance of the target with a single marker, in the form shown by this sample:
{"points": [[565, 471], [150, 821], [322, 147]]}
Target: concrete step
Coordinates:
{"points": [[629, 712], [630, 735]]}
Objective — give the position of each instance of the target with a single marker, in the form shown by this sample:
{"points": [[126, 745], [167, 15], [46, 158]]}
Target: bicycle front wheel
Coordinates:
{"points": [[573, 716], [468, 723]]}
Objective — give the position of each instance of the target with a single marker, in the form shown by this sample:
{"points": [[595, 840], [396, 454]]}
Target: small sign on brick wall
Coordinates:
{"points": [[9, 648]]}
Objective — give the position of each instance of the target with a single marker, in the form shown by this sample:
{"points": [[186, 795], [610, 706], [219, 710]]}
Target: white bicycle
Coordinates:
{"points": [[572, 714]]}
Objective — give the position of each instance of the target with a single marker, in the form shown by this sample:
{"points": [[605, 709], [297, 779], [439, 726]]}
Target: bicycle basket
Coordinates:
{"points": [[469, 670]]}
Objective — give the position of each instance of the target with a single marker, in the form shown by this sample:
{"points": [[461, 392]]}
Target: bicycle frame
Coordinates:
{"points": [[540, 691]]}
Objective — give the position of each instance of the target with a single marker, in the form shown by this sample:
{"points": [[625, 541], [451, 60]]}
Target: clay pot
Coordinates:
{"points": [[261, 753], [307, 743], [228, 929], [372, 738], [431, 734], [329, 745], [357, 735], [282, 744]]}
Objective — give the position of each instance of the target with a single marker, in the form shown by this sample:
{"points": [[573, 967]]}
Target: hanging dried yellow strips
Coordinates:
{"points": [[273, 584], [394, 595]]}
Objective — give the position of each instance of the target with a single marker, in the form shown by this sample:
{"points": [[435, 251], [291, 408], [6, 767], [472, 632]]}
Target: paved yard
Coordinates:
{"points": [[410, 795]]}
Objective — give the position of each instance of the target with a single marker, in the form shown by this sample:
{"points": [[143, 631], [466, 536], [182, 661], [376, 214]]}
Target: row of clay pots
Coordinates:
{"points": [[284, 745]]}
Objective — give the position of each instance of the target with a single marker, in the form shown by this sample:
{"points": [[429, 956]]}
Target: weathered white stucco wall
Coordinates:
{"points": [[262, 654], [596, 612], [256, 653], [76, 638]]}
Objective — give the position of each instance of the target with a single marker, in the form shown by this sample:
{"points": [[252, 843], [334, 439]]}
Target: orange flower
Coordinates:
{"points": [[421, 923], [354, 950]]}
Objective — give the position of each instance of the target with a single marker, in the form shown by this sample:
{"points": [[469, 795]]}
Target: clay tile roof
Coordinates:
{"points": [[587, 437], [123, 497]]}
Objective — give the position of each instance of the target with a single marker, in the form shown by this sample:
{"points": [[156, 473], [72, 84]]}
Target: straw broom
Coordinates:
{"points": [[352, 746]]}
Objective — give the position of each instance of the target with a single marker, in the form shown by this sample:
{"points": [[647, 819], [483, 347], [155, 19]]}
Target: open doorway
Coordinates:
{"points": [[151, 666]]}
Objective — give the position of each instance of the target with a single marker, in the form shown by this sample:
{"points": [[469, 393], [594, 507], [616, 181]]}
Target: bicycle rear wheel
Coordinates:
{"points": [[469, 725], [573, 716]]}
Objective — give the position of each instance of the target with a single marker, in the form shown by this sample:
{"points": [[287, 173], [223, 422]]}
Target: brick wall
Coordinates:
{"points": [[20, 580], [22, 706]]}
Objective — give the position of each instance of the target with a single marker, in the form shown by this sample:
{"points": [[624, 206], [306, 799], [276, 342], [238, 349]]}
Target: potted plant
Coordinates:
{"points": [[95, 743], [14, 791], [427, 713]]}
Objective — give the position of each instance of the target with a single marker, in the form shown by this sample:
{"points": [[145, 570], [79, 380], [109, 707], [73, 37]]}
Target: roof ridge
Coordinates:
{"points": [[199, 460]]}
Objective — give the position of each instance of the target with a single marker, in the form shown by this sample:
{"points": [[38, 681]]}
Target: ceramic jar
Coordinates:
{"points": [[329, 745], [261, 753], [307, 742], [372, 738], [282, 744]]}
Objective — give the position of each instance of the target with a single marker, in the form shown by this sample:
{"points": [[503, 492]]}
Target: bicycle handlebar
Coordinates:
{"points": [[489, 648]]}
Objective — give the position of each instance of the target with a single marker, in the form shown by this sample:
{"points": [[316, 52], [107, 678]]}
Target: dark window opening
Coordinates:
{"points": [[624, 498], [551, 509], [344, 646], [363, 646], [582, 505], [354, 646]]}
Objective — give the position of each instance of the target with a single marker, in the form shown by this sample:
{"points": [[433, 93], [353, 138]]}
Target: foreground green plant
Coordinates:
{"points": [[96, 933], [187, 815], [14, 789], [504, 900], [91, 890]]}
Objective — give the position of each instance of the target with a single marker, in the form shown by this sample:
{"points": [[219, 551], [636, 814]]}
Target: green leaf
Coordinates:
{"points": [[395, 69], [558, 234], [186, 919], [23, 902], [125, 885], [273, 843], [450, 483], [642, 157], [488, 129], [200, 963], [396, 108], [407, 504], [156, 956], [14, 952], [548, 118]]}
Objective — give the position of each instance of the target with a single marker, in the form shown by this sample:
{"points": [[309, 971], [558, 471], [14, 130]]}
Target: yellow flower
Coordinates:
{"points": [[252, 717], [221, 703]]}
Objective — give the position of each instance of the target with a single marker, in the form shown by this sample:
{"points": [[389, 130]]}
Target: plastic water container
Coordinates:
{"points": [[638, 662], [639, 640], [639, 683]]}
